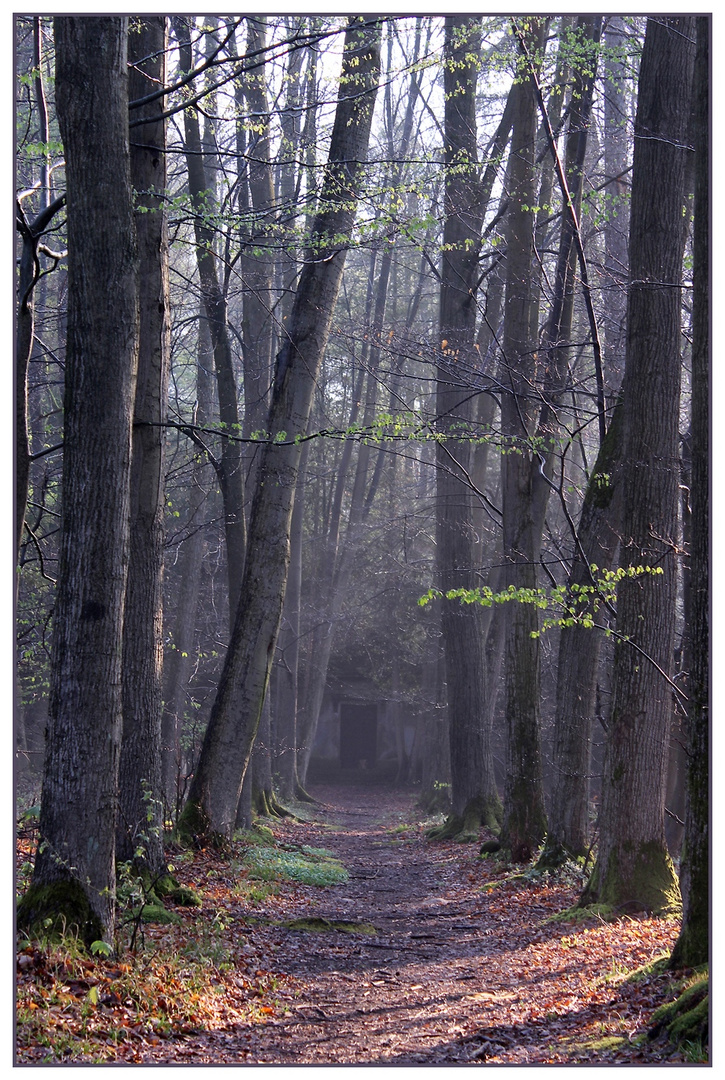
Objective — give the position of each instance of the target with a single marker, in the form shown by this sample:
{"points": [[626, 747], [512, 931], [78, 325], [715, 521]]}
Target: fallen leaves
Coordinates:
{"points": [[466, 966]]}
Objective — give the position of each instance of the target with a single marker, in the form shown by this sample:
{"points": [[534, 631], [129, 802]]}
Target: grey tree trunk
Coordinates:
{"points": [[212, 804], [179, 659], [74, 877], [597, 542], [474, 799], [692, 945], [229, 467], [616, 227], [633, 869], [524, 816], [140, 818]]}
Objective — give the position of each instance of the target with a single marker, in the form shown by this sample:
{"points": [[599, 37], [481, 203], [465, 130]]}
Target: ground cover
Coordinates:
{"points": [[355, 940]]}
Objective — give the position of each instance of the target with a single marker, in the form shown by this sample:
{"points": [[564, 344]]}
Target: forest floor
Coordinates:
{"points": [[426, 954]]}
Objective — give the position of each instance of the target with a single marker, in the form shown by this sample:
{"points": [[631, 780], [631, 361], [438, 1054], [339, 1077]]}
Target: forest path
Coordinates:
{"points": [[462, 968], [391, 997]]}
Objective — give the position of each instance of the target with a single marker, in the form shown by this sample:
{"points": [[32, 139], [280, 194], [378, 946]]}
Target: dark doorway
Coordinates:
{"points": [[358, 735]]}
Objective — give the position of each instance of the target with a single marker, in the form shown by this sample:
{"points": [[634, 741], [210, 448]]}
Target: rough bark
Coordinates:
{"points": [[633, 869], [692, 946], [524, 816], [214, 795], [140, 819], [74, 877]]}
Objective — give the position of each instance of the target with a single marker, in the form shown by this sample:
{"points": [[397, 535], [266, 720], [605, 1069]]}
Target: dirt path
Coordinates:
{"points": [[462, 967]]}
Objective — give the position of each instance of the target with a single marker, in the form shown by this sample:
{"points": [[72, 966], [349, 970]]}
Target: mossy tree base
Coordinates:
{"points": [[58, 909], [685, 1021], [554, 855], [466, 827], [193, 830], [626, 882]]}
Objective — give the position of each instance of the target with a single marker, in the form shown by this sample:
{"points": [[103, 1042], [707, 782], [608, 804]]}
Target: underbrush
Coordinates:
{"points": [[189, 972]]}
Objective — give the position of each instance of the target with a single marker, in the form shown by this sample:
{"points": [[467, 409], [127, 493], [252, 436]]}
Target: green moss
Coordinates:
{"points": [[685, 1021], [155, 913], [641, 881], [54, 910], [193, 829], [276, 864], [170, 888]]}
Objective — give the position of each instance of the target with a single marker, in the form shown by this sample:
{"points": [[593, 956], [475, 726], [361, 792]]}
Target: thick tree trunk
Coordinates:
{"points": [[213, 799], [692, 946], [524, 816], [140, 819], [74, 878], [633, 869]]}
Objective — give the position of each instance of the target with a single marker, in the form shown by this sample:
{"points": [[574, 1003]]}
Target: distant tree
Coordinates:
{"points": [[633, 869], [212, 805], [74, 876]]}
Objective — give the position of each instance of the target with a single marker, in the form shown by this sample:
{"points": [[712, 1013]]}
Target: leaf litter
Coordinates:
{"points": [[446, 958]]}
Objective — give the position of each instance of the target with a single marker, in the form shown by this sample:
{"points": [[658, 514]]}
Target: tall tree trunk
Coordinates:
{"points": [[692, 946], [179, 660], [474, 799], [214, 795], [633, 869], [596, 542], [140, 818], [616, 148], [524, 816], [74, 877], [229, 467]]}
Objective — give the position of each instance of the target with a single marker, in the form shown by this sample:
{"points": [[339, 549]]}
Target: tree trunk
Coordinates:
{"points": [[74, 877], [140, 819], [633, 870], [229, 467], [596, 542], [692, 946], [474, 799], [179, 659], [524, 816], [214, 795]]}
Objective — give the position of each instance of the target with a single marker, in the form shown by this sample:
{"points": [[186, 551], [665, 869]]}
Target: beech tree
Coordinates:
{"points": [[633, 869], [474, 797], [692, 946], [140, 819], [74, 874]]}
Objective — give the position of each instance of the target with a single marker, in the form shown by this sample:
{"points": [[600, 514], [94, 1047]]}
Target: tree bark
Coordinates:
{"points": [[140, 819], [633, 869], [474, 799], [692, 946], [214, 795], [524, 815], [74, 874]]}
